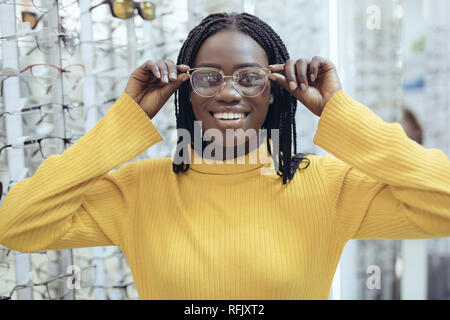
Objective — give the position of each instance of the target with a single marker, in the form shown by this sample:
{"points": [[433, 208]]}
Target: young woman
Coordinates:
{"points": [[220, 230]]}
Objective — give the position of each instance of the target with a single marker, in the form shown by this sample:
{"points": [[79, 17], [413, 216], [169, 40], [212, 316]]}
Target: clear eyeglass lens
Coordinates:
{"points": [[71, 42], [47, 40], [250, 82], [206, 82], [44, 74], [74, 73], [75, 111], [50, 146], [35, 116]]}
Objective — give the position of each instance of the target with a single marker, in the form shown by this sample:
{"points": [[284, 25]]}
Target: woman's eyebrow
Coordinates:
{"points": [[238, 66]]}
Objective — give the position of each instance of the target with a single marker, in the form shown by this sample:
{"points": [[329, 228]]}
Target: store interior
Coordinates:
{"points": [[63, 64]]}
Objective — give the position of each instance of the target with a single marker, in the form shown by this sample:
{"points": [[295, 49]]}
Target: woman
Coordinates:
{"points": [[211, 230]]}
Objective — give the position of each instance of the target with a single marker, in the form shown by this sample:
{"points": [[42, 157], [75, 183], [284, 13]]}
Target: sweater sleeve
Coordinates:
{"points": [[72, 200], [383, 185]]}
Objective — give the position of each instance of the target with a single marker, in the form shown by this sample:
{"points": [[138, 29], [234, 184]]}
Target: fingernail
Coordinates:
{"points": [[174, 76], [303, 87], [158, 74], [313, 77], [166, 79], [293, 85]]}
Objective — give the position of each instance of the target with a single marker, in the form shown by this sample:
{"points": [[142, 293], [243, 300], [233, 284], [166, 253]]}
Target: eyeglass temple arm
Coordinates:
{"points": [[97, 5], [43, 64], [40, 18]]}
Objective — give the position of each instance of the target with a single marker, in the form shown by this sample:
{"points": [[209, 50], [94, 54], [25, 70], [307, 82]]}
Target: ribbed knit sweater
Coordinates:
{"points": [[227, 231]]}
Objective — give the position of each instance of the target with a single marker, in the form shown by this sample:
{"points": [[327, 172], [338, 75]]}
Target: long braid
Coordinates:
{"points": [[281, 114]]}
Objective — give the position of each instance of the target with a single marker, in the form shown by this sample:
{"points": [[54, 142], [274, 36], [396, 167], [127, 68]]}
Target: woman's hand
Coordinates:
{"points": [[152, 84], [312, 82]]}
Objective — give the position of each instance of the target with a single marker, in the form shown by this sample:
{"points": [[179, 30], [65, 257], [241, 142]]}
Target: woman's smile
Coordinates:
{"points": [[230, 118]]}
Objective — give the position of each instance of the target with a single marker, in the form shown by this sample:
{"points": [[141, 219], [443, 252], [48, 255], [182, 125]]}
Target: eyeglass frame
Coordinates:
{"points": [[31, 284], [223, 84], [31, 66], [33, 4], [38, 141], [64, 36], [135, 6], [65, 107]]}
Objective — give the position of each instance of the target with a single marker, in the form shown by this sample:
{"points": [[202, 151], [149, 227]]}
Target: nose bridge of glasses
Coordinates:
{"points": [[232, 81]]}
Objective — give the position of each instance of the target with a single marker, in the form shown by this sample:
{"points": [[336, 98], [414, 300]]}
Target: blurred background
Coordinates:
{"points": [[63, 63]]}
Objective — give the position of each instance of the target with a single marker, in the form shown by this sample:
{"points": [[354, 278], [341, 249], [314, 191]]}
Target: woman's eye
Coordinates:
{"points": [[249, 78], [210, 78]]}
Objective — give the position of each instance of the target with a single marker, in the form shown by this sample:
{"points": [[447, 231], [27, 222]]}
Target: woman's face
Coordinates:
{"points": [[229, 51]]}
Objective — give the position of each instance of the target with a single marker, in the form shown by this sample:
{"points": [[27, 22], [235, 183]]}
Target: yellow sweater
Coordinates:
{"points": [[227, 231]]}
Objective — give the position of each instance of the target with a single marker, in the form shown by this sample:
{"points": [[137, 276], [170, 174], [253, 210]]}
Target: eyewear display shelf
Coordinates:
{"points": [[15, 99]]}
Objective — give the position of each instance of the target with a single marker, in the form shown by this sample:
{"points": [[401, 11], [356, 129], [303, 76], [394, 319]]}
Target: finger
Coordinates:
{"points": [[183, 67], [144, 70], [314, 68], [276, 68], [171, 87], [281, 80], [289, 71], [164, 71], [172, 68], [182, 72], [301, 67], [152, 67]]}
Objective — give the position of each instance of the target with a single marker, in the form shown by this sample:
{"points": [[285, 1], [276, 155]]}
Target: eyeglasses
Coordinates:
{"points": [[74, 110], [47, 145], [47, 40], [249, 81], [45, 74], [85, 275], [126, 288], [42, 5], [124, 9]]}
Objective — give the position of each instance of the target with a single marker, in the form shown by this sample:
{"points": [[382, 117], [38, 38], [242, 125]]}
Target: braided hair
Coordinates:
{"points": [[281, 114]]}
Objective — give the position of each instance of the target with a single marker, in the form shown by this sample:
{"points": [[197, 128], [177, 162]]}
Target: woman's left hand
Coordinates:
{"points": [[315, 80]]}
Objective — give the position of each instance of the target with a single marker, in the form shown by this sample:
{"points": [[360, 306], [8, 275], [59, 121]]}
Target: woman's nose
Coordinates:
{"points": [[228, 93]]}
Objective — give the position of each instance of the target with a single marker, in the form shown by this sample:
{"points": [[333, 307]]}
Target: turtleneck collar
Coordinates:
{"points": [[257, 159]]}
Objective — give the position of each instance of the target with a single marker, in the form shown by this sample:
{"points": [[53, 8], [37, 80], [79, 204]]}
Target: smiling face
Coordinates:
{"points": [[230, 51]]}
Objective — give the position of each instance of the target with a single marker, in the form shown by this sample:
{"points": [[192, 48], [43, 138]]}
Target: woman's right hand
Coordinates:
{"points": [[152, 84]]}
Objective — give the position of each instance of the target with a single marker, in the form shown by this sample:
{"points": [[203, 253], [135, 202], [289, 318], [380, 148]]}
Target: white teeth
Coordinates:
{"points": [[229, 115]]}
